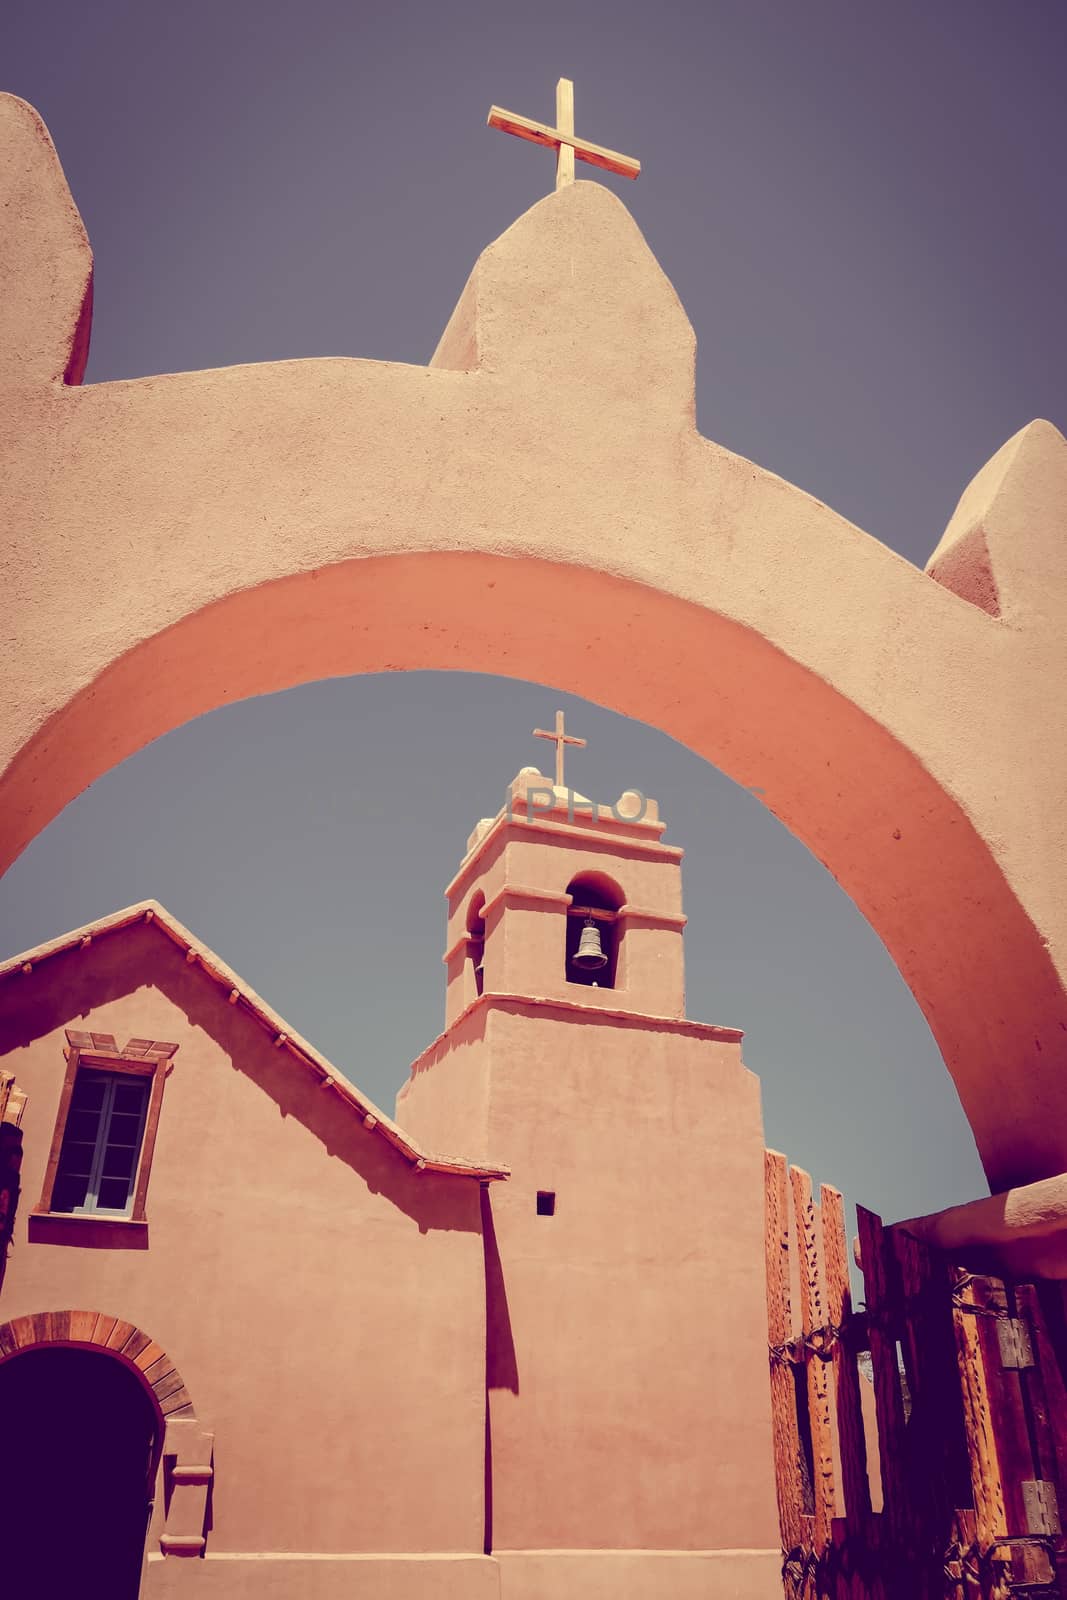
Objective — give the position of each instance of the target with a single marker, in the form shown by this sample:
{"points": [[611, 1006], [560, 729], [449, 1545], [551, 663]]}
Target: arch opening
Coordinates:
{"points": [[591, 955], [896, 841], [476, 941]]}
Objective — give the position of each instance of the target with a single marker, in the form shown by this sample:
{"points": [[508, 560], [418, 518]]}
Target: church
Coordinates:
{"points": [[509, 1343], [560, 1327]]}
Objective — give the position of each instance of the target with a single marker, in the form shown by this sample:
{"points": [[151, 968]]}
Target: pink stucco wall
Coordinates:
{"points": [[626, 1356], [627, 1341], [322, 1301]]}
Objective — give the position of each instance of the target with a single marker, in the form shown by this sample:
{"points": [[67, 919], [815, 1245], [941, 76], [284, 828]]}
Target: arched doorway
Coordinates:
{"points": [[81, 1443]]}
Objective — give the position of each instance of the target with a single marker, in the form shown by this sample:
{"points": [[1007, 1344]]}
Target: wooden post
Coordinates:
{"points": [[853, 1446], [1047, 1381], [996, 1337], [785, 1434], [888, 1398], [938, 1454], [987, 1489], [812, 1321]]}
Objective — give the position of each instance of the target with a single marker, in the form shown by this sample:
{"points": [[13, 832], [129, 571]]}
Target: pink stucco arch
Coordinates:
{"points": [[538, 503]]}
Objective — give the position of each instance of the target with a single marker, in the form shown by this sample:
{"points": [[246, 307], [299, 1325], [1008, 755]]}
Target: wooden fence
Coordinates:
{"points": [[921, 1442]]}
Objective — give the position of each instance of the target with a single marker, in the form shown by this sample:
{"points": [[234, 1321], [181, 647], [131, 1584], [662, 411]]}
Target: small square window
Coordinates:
{"points": [[546, 1202]]}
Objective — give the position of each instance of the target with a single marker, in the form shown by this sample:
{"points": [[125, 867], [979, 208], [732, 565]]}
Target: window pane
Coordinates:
{"points": [[114, 1192], [69, 1192], [78, 1159], [82, 1127], [89, 1091], [119, 1162], [130, 1096], [124, 1129]]}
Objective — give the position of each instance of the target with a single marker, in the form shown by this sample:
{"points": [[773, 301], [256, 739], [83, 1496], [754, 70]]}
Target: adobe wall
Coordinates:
{"points": [[627, 1355], [513, 1575], [537, 502], [323, 1303]]}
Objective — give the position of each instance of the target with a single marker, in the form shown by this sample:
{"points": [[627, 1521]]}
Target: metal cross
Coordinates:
{"points": [[559, 739], [562, 138]]}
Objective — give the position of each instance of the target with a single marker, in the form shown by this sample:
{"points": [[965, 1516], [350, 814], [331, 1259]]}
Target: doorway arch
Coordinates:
{"points": [[177, 1434], [82, 1441]]}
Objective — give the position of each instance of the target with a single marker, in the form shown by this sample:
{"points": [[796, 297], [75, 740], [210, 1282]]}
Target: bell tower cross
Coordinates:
{"points": [[563, 139], [559, 738]]}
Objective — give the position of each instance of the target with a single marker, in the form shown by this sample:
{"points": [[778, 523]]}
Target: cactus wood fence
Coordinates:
{"points": [[921, 1442]]}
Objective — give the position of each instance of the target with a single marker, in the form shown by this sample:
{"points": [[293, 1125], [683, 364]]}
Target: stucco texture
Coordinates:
{"points": [[322, 1300], [538, 502]]}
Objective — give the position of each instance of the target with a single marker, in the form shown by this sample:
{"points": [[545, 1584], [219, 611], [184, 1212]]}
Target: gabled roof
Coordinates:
{"points": [[239, 994]]}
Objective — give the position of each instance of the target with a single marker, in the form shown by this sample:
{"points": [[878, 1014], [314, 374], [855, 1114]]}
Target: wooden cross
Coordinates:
{"points": [[562, 138], [559, 739]]}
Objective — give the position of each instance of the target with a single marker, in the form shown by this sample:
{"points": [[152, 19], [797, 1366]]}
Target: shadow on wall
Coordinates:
{"points": [[501, 1366], [68, 988]]}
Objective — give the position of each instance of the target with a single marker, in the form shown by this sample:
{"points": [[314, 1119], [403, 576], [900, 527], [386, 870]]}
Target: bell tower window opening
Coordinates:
{"points": [[476, 941], [592, 930]]}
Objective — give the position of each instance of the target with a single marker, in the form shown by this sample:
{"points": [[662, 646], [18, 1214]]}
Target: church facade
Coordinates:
{"points": [[267, 1340]]}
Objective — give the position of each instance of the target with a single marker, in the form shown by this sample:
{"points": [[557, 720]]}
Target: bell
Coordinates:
{"points": [[589, 954]]}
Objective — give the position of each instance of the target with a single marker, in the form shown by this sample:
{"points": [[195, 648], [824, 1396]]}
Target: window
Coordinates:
{"points": [[101, 1143], [106, 1129]]}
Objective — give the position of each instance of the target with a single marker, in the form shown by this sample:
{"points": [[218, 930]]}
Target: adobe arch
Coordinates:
{"points": [[111, 1335], [243, 531], [180, 1435]]}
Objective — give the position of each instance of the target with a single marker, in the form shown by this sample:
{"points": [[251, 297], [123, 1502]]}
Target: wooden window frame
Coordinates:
{"points": [[142, 1058]]}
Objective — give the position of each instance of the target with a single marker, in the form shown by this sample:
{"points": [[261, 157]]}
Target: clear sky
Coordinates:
{"points": [[861, 206]]}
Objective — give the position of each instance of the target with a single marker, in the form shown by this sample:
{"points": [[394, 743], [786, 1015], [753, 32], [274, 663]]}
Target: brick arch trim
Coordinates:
{"points": [[112, 1335], [187, 1447]]}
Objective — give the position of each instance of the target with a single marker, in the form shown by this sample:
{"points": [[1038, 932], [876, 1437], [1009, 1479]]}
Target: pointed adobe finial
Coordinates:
{"points": [[46, 265], [572, 297], [1005, 548]]}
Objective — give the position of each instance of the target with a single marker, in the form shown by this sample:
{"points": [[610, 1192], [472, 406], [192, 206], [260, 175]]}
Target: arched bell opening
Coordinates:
{"points": [[592, 950], [476, 941]]}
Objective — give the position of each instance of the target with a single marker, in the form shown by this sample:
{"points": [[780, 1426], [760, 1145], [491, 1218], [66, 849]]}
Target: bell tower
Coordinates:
{"points": [[560, 898], [627, 1402]]}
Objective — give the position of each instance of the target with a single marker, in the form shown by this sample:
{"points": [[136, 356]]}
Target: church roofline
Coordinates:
{"points": [[150, 912], [642, 1019]]}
